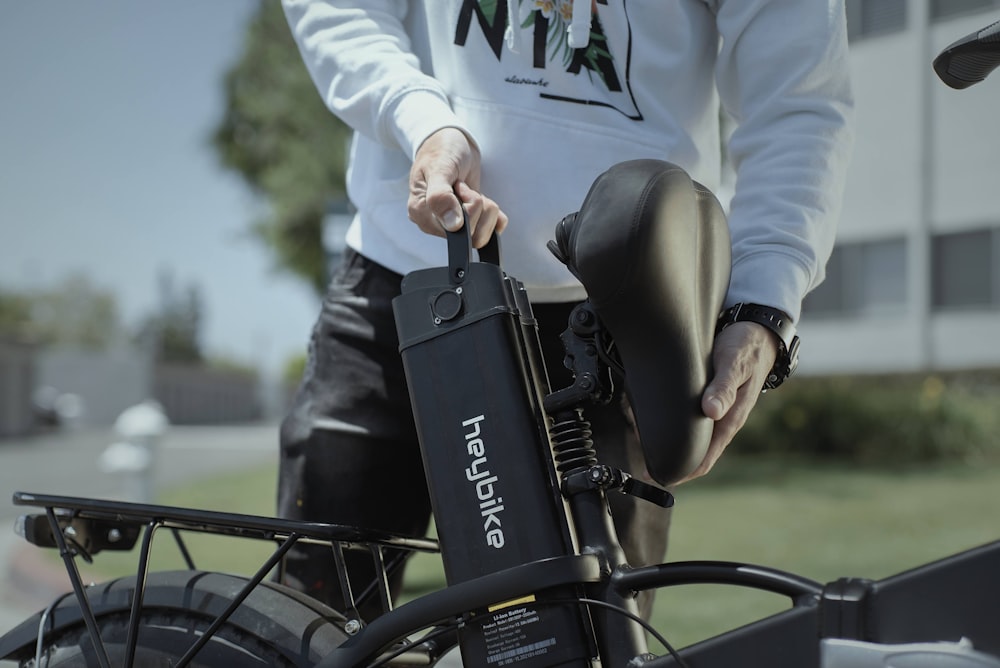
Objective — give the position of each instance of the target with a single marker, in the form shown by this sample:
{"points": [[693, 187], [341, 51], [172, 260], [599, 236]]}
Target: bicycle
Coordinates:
{"points": [[544, 582]]}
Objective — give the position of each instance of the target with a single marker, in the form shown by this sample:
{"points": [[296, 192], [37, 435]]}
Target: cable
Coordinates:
{"points": [[42, 621], [451, 625], [607, 351], [635, 618]]}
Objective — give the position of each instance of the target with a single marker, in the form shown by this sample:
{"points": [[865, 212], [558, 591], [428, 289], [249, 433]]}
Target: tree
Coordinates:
{"points": [[278, 134], [73, 312], [15, 315], [174, 332]]}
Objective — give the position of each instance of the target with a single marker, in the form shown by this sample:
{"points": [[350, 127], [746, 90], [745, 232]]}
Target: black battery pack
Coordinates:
{"points": [[470, 351]]}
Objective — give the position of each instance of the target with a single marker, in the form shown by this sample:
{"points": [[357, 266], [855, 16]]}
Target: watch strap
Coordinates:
{"points": [[778, 322]]}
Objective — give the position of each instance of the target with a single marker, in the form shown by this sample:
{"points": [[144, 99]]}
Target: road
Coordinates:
{"points": [[67, 464]]}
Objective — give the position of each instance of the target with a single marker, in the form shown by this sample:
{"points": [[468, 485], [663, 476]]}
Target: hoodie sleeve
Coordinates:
{"points": [[783, 75], [360, 58]]}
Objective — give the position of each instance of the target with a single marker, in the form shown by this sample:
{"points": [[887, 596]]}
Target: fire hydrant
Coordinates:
{"points": [[141, 428]]}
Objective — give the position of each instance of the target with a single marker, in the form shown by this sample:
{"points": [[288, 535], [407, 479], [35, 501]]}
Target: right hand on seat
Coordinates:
{"points": [[445, 177], [743, 354]]}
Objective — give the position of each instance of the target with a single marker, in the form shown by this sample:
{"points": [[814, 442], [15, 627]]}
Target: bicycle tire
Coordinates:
{"points": [[284, 626], [163, 637]]}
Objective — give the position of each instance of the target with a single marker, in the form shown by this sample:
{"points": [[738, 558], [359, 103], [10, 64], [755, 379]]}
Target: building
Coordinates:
{"points": [[914, 281]]}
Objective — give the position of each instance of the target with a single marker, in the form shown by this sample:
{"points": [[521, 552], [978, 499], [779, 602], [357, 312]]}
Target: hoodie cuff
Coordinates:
{"points": [[771, 279], [417, 114]]}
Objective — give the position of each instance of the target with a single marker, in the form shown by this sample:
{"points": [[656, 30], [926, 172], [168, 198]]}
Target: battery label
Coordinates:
{"points": [[530, 598], [508, 637]]}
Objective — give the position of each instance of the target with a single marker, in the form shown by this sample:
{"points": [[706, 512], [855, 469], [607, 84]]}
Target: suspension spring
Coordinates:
{"points": [[572, 445]]}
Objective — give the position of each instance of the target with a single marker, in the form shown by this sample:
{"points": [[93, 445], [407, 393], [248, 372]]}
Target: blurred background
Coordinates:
{"points": [[171, 200], [169, 170], [159, 237]]}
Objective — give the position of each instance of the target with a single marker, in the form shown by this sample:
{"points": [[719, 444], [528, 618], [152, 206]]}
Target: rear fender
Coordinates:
{"points": [[290, 621]]}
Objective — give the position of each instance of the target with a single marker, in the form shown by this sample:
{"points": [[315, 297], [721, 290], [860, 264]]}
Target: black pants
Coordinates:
{"points": [[349, 450]]}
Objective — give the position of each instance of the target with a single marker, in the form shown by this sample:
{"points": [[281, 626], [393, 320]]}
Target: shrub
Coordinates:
{"points": [[875, 420]]}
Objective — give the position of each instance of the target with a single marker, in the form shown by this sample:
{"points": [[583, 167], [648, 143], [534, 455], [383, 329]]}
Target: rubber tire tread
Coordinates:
{"points": [[230, 647], [274, 618]]}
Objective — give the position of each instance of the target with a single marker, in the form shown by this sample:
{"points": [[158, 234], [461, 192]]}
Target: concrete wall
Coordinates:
{"points": [[106, 382], [194, 395], [109, 382], [17, 384]]}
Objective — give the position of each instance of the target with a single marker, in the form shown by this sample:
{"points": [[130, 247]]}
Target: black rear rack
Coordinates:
{"points": [[83, 527], [102, 512]]}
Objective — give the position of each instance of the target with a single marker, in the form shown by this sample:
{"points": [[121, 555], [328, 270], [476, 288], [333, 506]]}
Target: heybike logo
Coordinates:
{"points": [[490, 505]]}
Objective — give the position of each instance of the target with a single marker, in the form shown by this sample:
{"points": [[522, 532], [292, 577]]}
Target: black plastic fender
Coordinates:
{"points": [[294, 625]]}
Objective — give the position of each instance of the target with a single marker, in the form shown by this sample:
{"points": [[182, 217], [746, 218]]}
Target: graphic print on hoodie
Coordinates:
{"points": [[574, 58]]}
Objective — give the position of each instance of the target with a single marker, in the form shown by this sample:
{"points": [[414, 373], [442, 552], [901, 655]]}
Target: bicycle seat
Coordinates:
{"points": [[651, 246]]}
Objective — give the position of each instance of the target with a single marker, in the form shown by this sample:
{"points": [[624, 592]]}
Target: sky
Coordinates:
{"points": [[106, 167]]}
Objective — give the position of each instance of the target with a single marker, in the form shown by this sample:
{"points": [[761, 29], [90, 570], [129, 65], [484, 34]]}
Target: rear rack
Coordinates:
{"points": [[83, 527], [214, 522]]}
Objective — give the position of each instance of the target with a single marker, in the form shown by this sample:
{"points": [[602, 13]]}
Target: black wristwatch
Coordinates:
{"points": [[778, 322]]}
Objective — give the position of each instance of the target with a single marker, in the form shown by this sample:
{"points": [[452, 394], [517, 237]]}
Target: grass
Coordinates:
{"points": [[251, 492], [818, 521]]}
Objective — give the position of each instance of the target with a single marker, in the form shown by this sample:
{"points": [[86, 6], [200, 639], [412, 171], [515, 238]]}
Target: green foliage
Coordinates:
{"points": [[293, 370], [15, 316], [278, 134], [872, 420], [232, 366], [174, 331], [73, 312]]}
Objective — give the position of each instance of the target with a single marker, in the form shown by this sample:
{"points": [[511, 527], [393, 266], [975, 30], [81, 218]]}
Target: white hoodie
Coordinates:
{"points": [[645, 81]]}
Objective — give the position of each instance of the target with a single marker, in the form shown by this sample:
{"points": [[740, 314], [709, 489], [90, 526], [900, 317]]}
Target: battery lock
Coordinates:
{"points": [[447, 305]]}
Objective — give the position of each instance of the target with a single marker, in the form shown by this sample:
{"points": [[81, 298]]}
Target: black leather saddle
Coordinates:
{"points": [[651, 246]]}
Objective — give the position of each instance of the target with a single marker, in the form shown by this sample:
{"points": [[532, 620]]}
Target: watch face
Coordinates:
{"points": [[793, 355]]}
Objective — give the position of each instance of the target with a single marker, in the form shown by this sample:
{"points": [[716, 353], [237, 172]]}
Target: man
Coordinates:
{"points": [[511, 109]]}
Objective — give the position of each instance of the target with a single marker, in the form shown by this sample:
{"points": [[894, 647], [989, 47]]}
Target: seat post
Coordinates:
{"points": [[620, 638]]}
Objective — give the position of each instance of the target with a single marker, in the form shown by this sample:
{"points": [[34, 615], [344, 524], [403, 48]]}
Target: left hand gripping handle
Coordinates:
{"points": [[460, 251]]}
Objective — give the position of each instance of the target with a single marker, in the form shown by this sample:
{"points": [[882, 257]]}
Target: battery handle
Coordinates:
{"points": [[460, 251]]}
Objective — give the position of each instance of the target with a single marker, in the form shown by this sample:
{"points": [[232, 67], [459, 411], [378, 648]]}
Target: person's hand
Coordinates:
{"points": [[445, 177], [743, 355]]}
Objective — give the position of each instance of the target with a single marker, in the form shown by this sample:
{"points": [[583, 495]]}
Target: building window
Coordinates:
{"points": [[941, 9], [862, 278], [869, 18], [962, 269]]}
